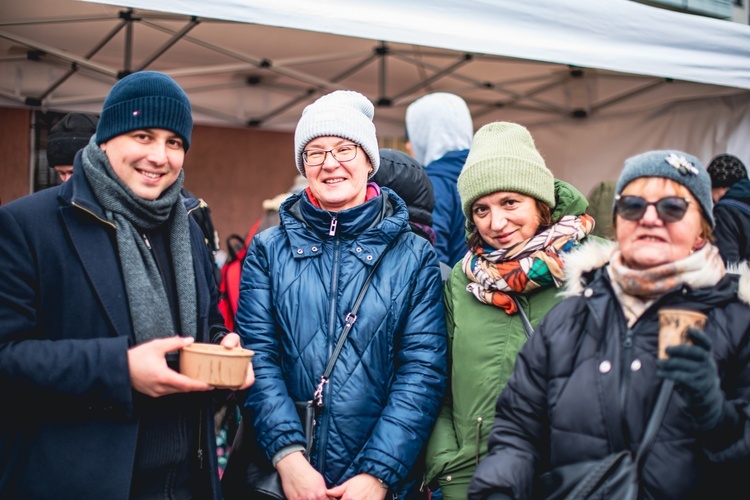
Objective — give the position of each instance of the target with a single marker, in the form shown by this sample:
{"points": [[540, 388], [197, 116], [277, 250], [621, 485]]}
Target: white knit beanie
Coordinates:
{"points": [[343, 113], [437, 124]]}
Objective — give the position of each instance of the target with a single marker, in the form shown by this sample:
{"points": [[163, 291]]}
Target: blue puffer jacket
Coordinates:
{"points": [[298, 284]]}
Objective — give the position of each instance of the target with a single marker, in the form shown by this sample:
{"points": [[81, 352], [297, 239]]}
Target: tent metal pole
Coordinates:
{"points": [[127, 62], [259, 63], [89, 55], [627, 95], [258, 121], [176, 38], [440, 74], [382, 53], [61, 54]]}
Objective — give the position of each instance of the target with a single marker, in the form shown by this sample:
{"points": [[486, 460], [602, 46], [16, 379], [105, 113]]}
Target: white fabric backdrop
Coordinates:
{"points": [[587, 152]]}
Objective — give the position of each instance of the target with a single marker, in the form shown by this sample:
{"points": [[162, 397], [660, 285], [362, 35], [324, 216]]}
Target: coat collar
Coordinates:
{"points": [[372, 225], [580, 264]]}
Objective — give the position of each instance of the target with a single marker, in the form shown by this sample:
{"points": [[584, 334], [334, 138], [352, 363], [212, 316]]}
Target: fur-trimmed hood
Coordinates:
{"points": [[594, 254]]}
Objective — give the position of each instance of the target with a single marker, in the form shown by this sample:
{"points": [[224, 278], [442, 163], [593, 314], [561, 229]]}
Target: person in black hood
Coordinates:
{"points": [[730, 190], [410, 181]]}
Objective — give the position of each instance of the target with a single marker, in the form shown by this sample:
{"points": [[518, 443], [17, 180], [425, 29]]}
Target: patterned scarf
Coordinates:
{"points": [[638, 289], [531, 264], [132, 215]]}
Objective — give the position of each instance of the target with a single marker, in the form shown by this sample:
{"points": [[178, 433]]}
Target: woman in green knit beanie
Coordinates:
{"points": [[519, 221]]}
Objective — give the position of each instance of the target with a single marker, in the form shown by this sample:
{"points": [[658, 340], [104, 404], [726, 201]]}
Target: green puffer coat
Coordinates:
{"points": [[483, 344]]}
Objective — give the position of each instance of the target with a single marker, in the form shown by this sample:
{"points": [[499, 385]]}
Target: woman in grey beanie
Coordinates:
{"points": [[520, 220], [585, 385], [299, 283]]}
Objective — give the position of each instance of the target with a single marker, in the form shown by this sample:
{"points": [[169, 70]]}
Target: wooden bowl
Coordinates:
{"points": [[214, 364]]}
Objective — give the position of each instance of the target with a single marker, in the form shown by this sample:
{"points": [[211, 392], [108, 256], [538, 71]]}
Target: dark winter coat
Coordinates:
{"points": [[585, 378], [732, 231], [69, 428], [298, 284], [448, 219]]}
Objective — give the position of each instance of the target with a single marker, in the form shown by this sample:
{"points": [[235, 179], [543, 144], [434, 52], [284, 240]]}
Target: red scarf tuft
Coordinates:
{"points": [[372, 191]]}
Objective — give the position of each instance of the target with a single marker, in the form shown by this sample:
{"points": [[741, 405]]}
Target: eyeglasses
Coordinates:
{"points": [[669, 209], [316, 157]]}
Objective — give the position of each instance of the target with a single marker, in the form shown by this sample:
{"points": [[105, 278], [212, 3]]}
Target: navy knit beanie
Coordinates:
{"points": [[680, 167], [146, 99]]}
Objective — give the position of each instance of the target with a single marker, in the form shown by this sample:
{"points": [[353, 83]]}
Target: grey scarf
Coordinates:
{"points": [[131, 214]]}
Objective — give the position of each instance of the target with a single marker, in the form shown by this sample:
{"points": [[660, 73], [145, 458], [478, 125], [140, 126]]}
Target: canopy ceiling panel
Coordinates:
{"points": [[258, 63]]}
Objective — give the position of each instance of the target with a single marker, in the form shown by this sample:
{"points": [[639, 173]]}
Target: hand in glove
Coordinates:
{"points": [[696, 377]]}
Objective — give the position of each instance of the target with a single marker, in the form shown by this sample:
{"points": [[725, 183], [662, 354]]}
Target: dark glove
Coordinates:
{"points": [[696, 377]]}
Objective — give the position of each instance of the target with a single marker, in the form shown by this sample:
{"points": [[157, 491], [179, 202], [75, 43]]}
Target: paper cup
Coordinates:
{"points": [[673, 326], [215, 364]]}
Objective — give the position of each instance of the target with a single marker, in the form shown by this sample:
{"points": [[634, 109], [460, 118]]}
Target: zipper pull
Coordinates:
{"points": [[334, 225], [145, 240]]}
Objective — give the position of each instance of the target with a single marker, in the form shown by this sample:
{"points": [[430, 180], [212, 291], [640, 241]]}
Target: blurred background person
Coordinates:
{"points": [[520, 222], [408, 179], [600, 200], [439, 130], [730, 189], [71, 134], [299, 282], [584, 386]]}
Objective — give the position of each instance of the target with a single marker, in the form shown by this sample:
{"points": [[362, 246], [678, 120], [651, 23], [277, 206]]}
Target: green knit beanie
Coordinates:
{"points": [[503, 158]]}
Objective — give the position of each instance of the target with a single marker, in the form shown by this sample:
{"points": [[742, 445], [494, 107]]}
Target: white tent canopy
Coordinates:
{"points": [[617, 35], [595, 80]]}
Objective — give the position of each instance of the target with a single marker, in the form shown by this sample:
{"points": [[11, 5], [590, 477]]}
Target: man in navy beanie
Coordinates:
{"points": [[102, 280]]}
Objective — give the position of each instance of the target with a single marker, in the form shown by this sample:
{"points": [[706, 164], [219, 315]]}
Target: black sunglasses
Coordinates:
{"points": [[669, 209]]}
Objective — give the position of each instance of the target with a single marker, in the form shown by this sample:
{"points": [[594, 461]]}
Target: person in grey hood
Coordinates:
{"points": [[440, 129]]}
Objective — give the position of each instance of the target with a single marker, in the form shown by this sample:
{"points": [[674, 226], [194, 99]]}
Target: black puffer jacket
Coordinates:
{"points": [[732, 214], [584, 386]]}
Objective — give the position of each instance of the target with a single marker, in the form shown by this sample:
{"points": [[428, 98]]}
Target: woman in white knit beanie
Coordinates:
{"points": [[300, 282]]}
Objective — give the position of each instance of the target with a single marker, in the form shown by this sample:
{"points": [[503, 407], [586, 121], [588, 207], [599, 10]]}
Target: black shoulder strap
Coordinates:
{"points": [[350, 319], [731, 202], [654, 423], [524, 319]]}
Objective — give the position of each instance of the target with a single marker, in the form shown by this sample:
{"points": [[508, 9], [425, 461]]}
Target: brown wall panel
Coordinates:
{"points": [[14, 153], [234, 170]]}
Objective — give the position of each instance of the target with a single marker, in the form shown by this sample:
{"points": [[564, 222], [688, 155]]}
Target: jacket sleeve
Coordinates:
{"points": [[277, 424], [730, 442], [419, 381], [520, 427], [728, 235], [215, 328], [442, 219], [68, 375], [443, 443]]}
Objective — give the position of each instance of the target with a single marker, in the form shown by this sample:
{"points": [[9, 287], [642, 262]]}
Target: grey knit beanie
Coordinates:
{"points": [[343, 113], [503, 157], [146, 99], [680, 167]]}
